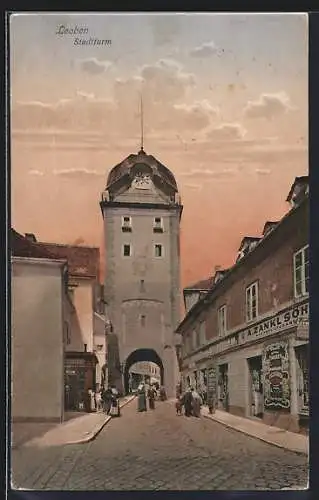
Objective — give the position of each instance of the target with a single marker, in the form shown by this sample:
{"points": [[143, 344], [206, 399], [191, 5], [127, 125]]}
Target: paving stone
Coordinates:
{"points": [[160, 451]]}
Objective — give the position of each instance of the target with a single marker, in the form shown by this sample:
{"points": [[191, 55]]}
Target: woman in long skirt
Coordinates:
{"points": [[151, 398], [141, 398], [197, 403]]}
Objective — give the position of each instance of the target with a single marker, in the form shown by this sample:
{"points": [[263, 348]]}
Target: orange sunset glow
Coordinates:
{"points": [[225, 101]]}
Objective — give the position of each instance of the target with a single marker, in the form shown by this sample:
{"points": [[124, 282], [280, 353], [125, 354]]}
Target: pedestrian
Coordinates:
{"points": [[99, 402], [107, 400], [151, 398], [188, 401], [115, 406], [92, 405], [178, 405], [141, 398], [196, 403], [163, 396]]}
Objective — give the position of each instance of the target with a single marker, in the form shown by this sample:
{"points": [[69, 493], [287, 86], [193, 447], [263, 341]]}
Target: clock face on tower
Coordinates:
{"points": [[142, 181]]}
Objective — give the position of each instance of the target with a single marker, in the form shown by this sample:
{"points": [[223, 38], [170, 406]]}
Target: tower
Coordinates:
{"points": [[141, 210]]}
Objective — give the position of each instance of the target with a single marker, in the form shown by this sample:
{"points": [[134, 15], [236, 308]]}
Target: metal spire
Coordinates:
{"points": [[142, 126]]}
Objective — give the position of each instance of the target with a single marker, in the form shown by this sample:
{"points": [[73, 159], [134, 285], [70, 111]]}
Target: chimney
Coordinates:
{"points": [[31, 237]]}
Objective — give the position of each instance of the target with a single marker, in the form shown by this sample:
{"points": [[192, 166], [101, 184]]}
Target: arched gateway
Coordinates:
{"points": [[142, 355], [141, 210]]}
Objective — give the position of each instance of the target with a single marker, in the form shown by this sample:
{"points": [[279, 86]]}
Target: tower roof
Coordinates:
{"points": [[125, 167]]}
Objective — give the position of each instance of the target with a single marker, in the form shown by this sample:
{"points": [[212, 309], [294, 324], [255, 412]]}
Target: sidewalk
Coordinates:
{"points": [[76, 431], [272, 435]]}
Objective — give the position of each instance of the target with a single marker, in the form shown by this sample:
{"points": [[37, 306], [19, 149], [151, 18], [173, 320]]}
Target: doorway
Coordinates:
{"points": [[255, 387], [223, 392]]}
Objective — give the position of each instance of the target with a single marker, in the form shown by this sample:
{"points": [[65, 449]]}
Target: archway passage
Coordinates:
{"points": [[142, 355]]}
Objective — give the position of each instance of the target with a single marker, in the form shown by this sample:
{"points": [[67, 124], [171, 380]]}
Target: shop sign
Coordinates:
{"points": [[294, 316], [212, 385], [276, 376]]}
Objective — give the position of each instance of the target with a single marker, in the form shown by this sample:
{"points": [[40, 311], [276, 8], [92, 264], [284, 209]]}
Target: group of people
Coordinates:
{"points": [[146, 392], [191, 401], [105, 400]]}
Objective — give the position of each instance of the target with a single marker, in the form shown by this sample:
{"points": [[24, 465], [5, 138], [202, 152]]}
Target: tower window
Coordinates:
{"points": [[158, 225], [143, 319], [142, 286], [126, 224], [127, 251], [158, 250]]}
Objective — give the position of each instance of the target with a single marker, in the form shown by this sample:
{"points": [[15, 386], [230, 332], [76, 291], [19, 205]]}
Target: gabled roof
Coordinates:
{"points": [[303, 181], [219, 274], [23, 247], [201, 303], [82, 261], [269, 225], [248, 239], [202, 285]]}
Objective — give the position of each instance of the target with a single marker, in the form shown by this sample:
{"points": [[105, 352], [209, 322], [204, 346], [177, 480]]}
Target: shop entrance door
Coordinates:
{"points": [[256, 403], [223, 395]]}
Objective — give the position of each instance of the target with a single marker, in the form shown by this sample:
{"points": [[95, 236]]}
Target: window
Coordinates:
{"points": [[301, 272], [142, 286], [126, 224], [222, 326], [158, 225], [127, 250], [158, 250], [143, 319], [252, 302]]}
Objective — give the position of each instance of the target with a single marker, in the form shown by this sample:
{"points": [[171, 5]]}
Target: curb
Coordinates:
{"points": [[264, 440], [94, 434]]}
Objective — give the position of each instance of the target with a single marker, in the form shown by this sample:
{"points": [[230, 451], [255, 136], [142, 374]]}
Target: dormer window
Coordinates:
{"points": [[126, 224], [298, 191], [158, 225]]}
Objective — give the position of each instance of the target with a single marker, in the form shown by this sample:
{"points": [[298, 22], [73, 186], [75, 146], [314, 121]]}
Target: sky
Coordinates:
{"points": [[225, 100]]}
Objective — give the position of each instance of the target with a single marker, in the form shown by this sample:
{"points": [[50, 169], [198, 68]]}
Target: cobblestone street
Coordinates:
{"points": [[160, 451]]}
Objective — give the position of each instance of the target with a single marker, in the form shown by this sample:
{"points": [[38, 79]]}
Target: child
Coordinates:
{"points": [[178, 406]]}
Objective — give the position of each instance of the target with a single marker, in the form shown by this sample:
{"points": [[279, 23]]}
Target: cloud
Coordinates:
{"points": [[165, 81], [35, 172], [208, 174], [83, 111], [205, 50], [268, 106], [78, 173], [226, 132], [195, 187], [93, 66], [262, 171]]}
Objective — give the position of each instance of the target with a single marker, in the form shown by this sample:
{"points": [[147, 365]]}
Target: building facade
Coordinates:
{"points": [[84, 326], [247, 339], [141, 210], [40, 309], [86, 335], [144, 371]]}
